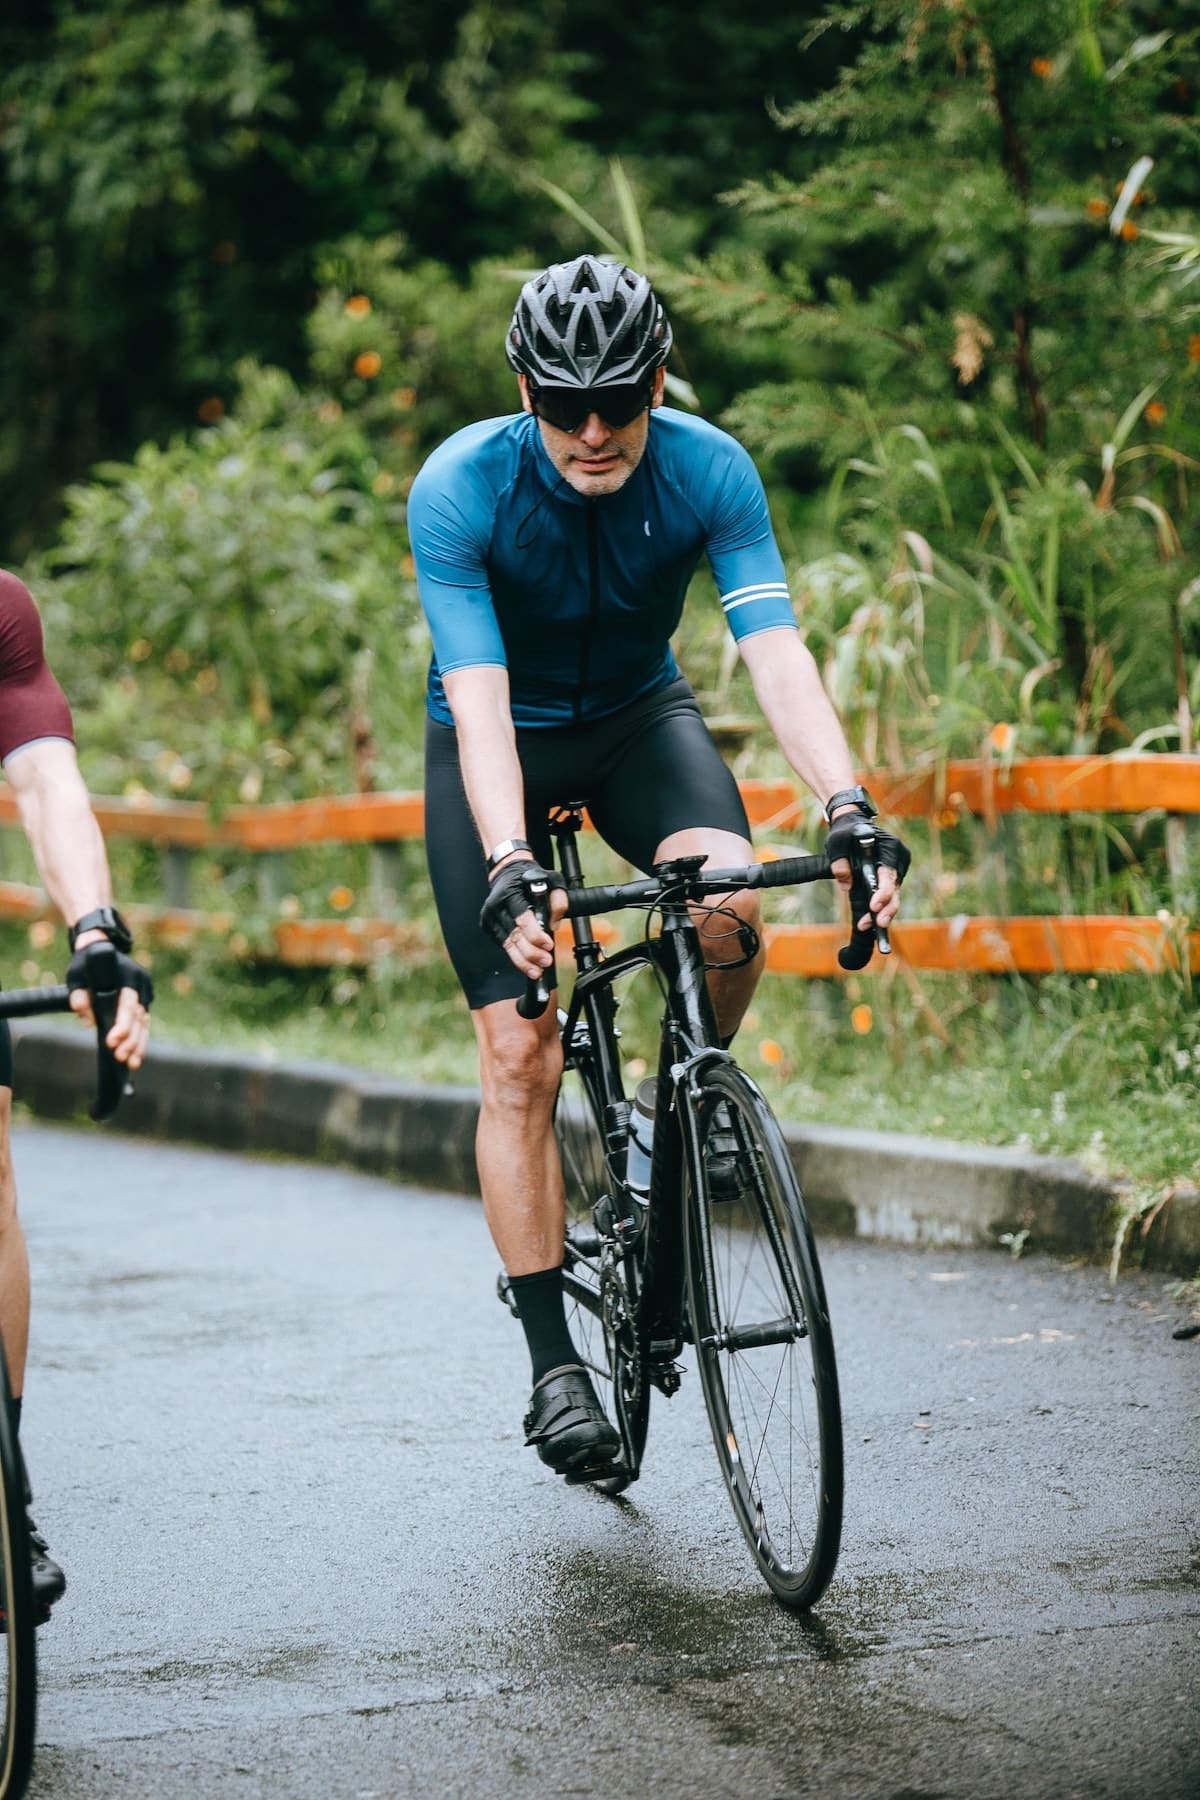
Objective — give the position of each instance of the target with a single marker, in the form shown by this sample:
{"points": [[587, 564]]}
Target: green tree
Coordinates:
{"points": [[966, 322]]}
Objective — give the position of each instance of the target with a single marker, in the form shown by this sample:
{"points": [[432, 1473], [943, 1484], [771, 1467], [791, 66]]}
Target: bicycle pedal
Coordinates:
{"points": [[505, 1294]]}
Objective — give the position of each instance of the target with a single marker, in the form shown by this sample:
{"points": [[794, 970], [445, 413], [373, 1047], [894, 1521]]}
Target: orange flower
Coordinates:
{"points": [[1194, 347], [368, 364], [1129, 231], [341, 899], [357, 307], [1000, 737], [1042, 67], [862, 1019], [1156, 412], [210, 410], [1098, 208], [771, 1052]]}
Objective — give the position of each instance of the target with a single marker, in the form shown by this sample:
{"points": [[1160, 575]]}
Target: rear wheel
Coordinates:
{"points": [[18, 1664], [763, 1340], [600, 1283]]}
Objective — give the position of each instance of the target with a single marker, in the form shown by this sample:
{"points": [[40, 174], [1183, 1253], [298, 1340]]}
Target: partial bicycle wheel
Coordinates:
{"points": [[18, 1663], [764, 1345], [600, 1288]]}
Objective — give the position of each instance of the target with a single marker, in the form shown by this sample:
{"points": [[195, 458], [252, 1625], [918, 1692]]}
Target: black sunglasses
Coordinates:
{"points": [[567, 409]]}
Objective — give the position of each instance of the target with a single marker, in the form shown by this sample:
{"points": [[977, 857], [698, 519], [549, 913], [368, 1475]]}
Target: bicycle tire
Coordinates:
{"points": [[764, 1346], [18, 1702], [608, 1345]]}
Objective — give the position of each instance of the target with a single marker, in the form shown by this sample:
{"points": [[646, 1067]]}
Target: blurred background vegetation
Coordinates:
{"points": [[936, 264]]}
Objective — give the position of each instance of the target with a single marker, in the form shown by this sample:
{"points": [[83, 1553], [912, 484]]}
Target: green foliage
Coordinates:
{"points": [[236, 607]]}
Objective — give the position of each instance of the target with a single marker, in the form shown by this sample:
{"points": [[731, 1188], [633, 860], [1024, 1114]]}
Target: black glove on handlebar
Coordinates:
{"points": [[510, 896], [130, 974], [847, 838]]}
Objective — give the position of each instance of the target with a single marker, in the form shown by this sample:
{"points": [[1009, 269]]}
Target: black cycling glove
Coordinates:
{"points": [[510, 896], [91, 968], [848, 837]]}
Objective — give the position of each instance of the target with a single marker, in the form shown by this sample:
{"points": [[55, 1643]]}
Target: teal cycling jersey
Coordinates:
{"points": [[577, 598]]}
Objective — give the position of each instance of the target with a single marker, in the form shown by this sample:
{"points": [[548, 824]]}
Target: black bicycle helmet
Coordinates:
{"points": [[587, 323]]}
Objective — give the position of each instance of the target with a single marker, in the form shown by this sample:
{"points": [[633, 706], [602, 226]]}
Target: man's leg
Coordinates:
{"points": [[520, 1178], [519, 1175], [14, 1261], [49, 1582], [731, 988]]}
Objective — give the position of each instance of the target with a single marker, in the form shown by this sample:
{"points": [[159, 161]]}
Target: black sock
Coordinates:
{"points": [[539, 1299], [14, 1415]]}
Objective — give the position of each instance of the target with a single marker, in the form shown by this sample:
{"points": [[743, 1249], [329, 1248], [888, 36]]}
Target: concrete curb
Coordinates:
{"points": [[870, 1184]]}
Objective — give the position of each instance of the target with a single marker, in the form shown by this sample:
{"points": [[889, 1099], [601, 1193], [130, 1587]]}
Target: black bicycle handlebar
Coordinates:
{"points": [[691, 884], [112, 1077]]}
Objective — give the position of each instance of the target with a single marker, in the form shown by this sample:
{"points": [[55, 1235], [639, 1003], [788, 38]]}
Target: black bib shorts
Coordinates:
{"points": [[644, 772]]}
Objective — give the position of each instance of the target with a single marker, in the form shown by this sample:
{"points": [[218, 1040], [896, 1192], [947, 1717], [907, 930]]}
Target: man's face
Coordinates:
{"points": [[598, 458]]}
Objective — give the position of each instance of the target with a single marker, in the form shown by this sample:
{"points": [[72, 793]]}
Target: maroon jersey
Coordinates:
{"points": [[32, 705]]}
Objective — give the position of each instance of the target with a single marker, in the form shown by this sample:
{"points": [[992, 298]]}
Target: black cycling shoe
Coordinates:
{"points": [[49, 1582], [569, 1426]]}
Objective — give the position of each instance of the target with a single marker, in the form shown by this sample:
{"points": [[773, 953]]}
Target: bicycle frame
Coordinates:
{"points": [[689, 1037]]}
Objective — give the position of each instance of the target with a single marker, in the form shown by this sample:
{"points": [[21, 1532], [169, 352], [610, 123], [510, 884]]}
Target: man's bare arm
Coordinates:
{"points": [[68, 848], [57, 815], [799, 711]]}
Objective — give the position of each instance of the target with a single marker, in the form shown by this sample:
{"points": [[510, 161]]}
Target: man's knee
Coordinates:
{"points": [[520, 1061]]}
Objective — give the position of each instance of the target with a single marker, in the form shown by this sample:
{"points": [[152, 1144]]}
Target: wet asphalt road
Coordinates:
{"points": [[273, 1423]]}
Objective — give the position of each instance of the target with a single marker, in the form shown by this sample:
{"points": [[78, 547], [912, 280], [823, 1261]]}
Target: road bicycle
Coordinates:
{"points": [[18, 1616], [714, 1249]]}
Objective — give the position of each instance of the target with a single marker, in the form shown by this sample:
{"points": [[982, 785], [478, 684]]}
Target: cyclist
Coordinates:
{"points": [[38, 753], [553, 551]]}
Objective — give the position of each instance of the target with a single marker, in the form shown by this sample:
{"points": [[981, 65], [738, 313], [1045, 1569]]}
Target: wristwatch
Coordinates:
{"points": [[105, 919], [505, 849], [851, 796]]}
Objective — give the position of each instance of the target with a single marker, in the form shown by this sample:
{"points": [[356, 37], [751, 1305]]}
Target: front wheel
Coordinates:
{"points": [[763, 1340], [18, 1700]]}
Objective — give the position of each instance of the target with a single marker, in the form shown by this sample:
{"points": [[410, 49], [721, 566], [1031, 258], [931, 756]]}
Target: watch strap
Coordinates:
{"points": [[506, 848], [851, 796], [108, 921]]}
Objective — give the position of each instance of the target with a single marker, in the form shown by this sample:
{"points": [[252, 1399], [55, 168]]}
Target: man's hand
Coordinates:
{"points": [[130, 1032], [508, 915], [845, 847]]}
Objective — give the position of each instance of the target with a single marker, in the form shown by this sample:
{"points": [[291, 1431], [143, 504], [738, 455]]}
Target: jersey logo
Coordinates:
{"points": [[646, 523]]}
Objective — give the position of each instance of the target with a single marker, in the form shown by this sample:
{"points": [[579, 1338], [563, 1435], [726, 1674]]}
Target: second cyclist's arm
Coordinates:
{"points": [[58, 820]]}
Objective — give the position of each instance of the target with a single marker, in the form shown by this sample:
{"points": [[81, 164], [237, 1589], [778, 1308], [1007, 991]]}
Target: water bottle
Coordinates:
{"points": [[641, 1132]]}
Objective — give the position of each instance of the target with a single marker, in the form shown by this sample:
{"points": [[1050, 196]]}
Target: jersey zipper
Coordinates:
{"points": [[585, 648]]}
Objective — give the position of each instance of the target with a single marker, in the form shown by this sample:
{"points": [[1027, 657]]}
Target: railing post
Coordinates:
{"points": [[385, 865], [271, 874], [177, 875]]}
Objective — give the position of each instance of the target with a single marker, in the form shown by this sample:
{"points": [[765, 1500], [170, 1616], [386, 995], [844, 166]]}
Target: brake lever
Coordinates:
{"points": [[104, 985], [864, 877], [883, 942], [536, 998]]}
